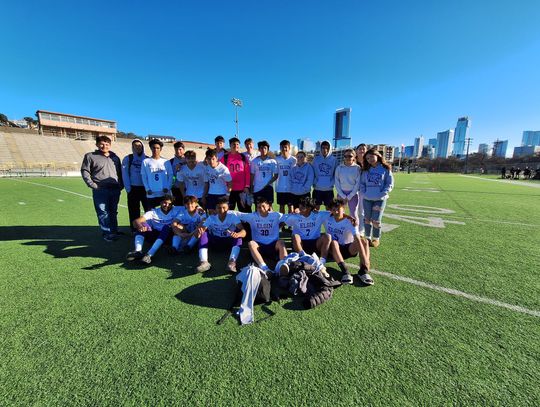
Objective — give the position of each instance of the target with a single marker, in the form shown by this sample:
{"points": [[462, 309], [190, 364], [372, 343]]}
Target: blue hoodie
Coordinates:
{"points": [[376, 183], [301, 179], [325, 168]]}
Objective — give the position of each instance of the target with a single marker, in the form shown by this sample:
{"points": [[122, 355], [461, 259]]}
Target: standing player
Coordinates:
{"points": [[302, 176], [238, 166], [263, 173], [219, 141], [265, 233], [177, 162], [221, 230], [184, 226], [285, 163], [217, 181], [348, 182], [154, 224], [250, 152], [360, 152], [191, 176], [347, 242], [324, 165], [131, 175], [101, 170], [156, 174]]}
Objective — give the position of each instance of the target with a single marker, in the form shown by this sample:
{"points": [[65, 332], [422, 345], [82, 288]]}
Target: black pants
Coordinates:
{"points": [[234, 199], [135, 198], [178, 197]]}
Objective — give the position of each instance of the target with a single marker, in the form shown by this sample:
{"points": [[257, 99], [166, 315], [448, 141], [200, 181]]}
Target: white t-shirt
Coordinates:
{"points": [[251, 157], [156, 176], [342, 231], [156, 219], [285, 165], [262, 171], [217, 179], [193, 179], [190, 222], [307, 228], [222, 229], [264, 230]]}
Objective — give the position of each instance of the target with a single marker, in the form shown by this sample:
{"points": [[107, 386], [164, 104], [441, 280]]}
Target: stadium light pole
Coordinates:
{"points": [[237, 103]]}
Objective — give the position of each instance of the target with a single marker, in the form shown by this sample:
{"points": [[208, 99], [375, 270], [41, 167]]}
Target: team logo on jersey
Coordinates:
{"points": [[324, 168]]}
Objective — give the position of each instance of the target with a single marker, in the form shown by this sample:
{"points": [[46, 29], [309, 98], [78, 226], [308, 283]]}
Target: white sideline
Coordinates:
{"points": [[451, 291], [59, 189], [506, 181]]}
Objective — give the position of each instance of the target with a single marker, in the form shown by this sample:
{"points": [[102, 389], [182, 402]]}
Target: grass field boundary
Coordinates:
{"points": [[505, 181], [61, 190], [451, 291]]}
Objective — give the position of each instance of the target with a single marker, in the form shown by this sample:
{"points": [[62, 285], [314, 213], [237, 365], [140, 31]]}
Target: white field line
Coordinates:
{"points": [[532, 225], [61, 190], [505, 181], [451, 291]]}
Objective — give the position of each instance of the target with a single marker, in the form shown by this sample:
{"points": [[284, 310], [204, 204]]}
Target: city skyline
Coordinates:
{"points": [[173, 69]]}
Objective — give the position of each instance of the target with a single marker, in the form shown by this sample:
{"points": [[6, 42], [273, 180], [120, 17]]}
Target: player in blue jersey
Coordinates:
{"points": [[184, 226], [346, 243], [153, 225], [265, 226], [221, 230]]}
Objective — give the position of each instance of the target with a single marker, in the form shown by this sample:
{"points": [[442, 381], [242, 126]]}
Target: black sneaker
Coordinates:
{"points": [[109, 238], [134, 256]]}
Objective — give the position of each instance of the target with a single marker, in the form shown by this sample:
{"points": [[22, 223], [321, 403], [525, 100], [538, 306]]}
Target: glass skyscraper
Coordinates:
{"points": [[418, 145], [342, 122], [499, 148], [460, 136], [530, 138], [444, 143]]}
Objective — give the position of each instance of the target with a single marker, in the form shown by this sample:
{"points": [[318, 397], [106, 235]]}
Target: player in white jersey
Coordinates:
{"points": [[189, 218], [265, 226], [221, 230], [285, 163], [156, 174], [347, 242], [217, 181], [306, 230], [263, 174], [191, 176], [154, 224], [250, 152]]}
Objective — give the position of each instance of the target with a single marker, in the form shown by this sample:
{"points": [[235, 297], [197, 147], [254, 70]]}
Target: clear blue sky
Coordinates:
{"points": [[171, 68]]}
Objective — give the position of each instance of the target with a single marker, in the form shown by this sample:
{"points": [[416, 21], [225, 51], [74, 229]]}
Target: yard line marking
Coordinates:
{"points": [[22, 203], [506, 181], [451, 291], [502, 222], [61, 190]]}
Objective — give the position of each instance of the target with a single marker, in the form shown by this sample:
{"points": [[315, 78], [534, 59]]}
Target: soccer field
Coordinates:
{"points": [[453, 317]]}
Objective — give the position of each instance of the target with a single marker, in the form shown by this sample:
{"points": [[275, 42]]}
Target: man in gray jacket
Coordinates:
{"points": [[102, 172]]}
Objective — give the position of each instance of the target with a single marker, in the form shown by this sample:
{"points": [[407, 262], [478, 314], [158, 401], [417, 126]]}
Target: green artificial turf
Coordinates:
{"points": [[80, 326]]}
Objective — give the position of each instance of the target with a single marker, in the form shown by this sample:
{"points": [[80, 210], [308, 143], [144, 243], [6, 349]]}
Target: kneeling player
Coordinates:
{"points": [[154, 224], [189, 218], [265, 233], [221, 230], [306, 230], [346, 243]]}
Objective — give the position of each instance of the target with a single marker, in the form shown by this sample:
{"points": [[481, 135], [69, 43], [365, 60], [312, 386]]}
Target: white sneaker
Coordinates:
{"points": [[204, 266], [147, 259]]}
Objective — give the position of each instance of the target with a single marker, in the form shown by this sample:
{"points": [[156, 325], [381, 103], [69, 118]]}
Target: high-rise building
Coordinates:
{"points": [[409, 151], [530, 138], [460, 136], [483, 148], [342, 122], [499, 148], [388, 152], [444, 143], [526, 151], [305, 144], [418, 144]]}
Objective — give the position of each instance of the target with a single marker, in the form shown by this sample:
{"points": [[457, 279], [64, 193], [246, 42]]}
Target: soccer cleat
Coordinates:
{"points": [[147, 259], [134, 256], [347, 278], [204, 266], [231, 266], [375, 243]]}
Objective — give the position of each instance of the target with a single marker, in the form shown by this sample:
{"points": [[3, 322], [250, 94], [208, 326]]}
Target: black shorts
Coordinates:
{"points": [[267, 192], [309, 246], [323, 197], [344, 250], [211, 201], [268, 251], [296, 199], [284, 198]]}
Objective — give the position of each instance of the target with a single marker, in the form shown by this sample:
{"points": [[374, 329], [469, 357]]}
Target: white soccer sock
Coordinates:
{"points": [[155, 247], [139, 240], [235, 251], [176, 242], [192, 242], [203, 254]]}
